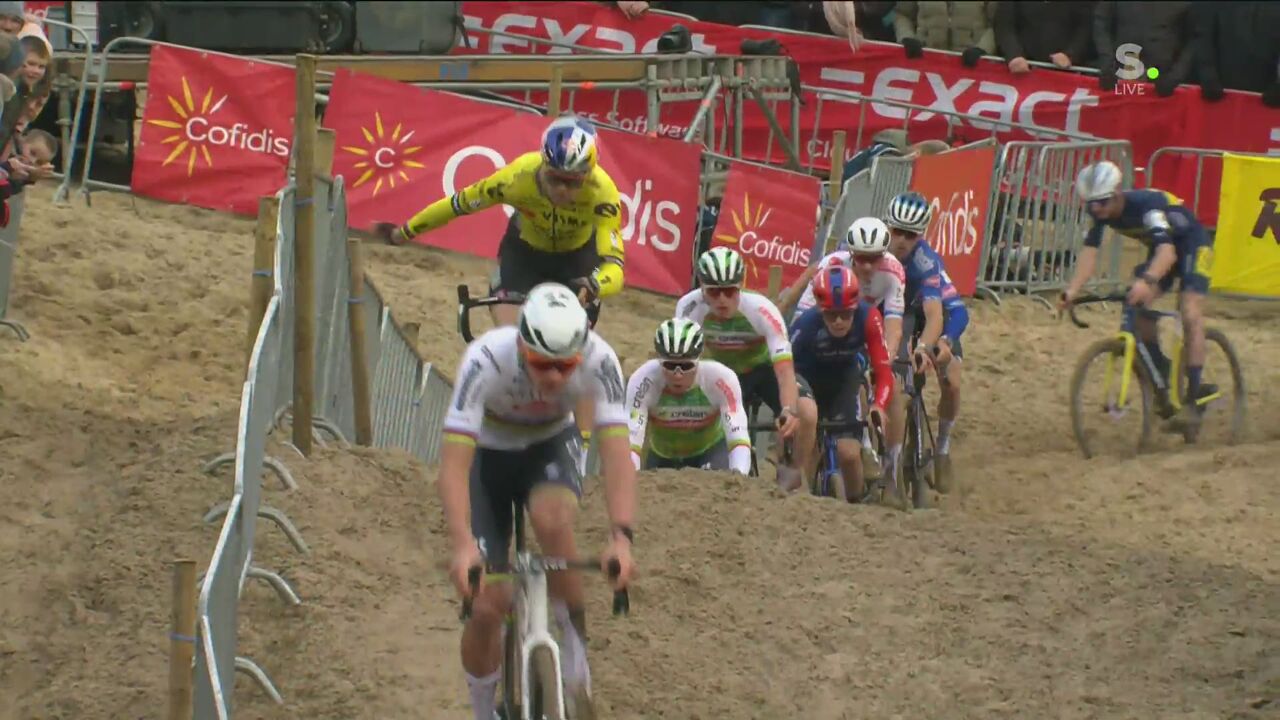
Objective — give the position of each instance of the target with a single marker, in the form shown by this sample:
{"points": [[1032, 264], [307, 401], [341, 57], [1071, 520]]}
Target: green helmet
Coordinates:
{"points": [[678, 339], [721, 266]]}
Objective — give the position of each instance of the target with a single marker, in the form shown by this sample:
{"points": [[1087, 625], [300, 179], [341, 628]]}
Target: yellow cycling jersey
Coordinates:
{"points": [[542, 225]]}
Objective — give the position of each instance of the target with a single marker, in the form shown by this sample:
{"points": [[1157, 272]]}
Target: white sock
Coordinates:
{"points": [[573, 651], [944, 436], [866, 437], [483, 699], [891, 467]]}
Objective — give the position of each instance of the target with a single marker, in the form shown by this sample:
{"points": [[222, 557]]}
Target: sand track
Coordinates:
{"points": [[1052, 587]]}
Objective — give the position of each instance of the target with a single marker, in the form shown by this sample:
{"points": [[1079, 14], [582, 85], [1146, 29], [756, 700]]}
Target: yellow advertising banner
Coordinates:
{"points": [[1246, 250]]}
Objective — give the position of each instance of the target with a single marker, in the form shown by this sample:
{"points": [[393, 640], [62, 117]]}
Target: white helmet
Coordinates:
{"points": [[1098, 181], [552, 321], [909, 211], [867, 236], [678, 339]]}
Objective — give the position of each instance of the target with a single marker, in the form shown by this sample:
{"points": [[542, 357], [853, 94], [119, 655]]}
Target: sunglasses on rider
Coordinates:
{"points": [[564, 366], [678, 366], [907, 234], [572, 180], [837, 314], [727, 291], [866, 259]]}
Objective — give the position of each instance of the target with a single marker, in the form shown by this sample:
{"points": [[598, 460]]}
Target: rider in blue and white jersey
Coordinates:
{"points": [[932, 299]]}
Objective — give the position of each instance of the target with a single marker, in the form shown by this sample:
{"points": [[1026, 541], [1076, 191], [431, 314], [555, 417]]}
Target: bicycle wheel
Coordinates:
{"points": [[1230, 398], [1110, 351], [916, 459], [510, 676], [544, 690]]}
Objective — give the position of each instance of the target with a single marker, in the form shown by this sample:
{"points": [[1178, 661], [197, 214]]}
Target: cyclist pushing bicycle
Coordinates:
{"points": [[827, 341], [509, 441], [690, 408], [1178, 248], [941, 310]]}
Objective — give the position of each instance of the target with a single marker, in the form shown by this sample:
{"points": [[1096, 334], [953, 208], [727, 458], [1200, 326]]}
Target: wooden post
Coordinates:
{"points": [[775, 281], [182, 639], [554, 92], [264, 257], [304, 301], [836, 186], [325, 142], [359, 353]]}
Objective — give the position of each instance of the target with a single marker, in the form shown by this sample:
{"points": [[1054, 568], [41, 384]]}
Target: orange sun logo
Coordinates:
{"points": [[385, 157], [746, 227], [192, 131]]}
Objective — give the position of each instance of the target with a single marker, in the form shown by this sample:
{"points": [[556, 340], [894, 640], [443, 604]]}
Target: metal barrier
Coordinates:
{"points": [[69, 120], [1035, 221], [1200, 155], [8, 256]]}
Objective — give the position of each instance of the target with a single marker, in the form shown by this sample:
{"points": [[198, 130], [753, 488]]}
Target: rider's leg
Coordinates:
{"points": [[896, 431], [849, 457], [806, 436], [948, 411]]}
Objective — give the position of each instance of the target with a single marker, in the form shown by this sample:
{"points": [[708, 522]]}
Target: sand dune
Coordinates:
{"points": [[1051, 587]]}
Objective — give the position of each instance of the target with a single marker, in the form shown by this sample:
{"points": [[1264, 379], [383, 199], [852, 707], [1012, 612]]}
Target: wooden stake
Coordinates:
{"points": [[326, 140], [359, 353], [836, 187], [182, 639], [264, 257], [554, 92], [304, 301]]}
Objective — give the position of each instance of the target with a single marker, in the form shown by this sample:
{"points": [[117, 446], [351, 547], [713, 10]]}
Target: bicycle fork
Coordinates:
{"points": [[535, 634]]}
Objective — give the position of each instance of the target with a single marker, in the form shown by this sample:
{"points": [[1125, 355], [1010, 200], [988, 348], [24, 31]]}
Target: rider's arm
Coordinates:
{"points": [[645, 383], [894, 304], [1087, 260], [609, 243], [881, 371], [932, 323], [789, 297], [461, 427], [766, 320], [726, 392], [1157, 223], [612, 438], [481, 195]]}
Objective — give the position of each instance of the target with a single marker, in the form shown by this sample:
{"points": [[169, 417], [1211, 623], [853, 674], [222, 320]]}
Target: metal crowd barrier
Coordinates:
{"points": [[1035, 221], [8, 256]]}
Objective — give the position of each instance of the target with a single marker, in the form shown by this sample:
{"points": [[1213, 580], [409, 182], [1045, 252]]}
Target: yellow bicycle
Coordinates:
{"points": [[1124, 359]]}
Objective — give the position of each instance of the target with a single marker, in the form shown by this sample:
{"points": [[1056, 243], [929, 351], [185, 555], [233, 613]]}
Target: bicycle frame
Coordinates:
{"points": [[531, 596], [1133, 349]]}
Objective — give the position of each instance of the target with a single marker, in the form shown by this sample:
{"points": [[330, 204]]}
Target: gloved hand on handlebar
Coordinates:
{"points": [[389, 233], [588, 289]]}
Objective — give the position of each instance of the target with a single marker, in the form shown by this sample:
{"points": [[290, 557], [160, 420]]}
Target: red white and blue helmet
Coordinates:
{"points": [[569, 145], [836, 288]]}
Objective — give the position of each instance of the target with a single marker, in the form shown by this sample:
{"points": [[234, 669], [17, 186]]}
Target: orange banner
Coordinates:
{"points": [[957, 185], [771, 218]]}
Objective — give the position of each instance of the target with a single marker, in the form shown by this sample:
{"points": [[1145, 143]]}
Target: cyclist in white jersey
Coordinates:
{"points": [[692, 409], [745, 332], [510, 439]]}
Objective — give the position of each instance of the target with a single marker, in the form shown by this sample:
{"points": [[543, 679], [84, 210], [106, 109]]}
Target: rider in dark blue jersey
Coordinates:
{"points": [[931, 294], [826, 342], [1177, 247]]}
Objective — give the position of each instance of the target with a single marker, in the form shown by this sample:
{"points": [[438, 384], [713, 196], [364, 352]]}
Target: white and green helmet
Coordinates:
{"points": [[678, 339], [721, 266]]}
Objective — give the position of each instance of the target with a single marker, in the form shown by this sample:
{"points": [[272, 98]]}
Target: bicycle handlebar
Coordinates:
{"points": [[466, 303], [1088, 300], [621, 598]]}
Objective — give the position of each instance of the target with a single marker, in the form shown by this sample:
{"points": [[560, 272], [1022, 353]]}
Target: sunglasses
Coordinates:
{"points": [[678, 366], [726, 292], [866, 259], [837, 314], [1098, 204], [564, 366], [907, 234]]}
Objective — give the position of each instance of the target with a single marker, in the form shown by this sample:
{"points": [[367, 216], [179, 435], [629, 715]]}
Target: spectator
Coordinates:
{"points": [[1237, 46], [964, 26], [891, 142], [1054, 32], [1161, 29], [876, 20], [12, 17], [842, 21]]}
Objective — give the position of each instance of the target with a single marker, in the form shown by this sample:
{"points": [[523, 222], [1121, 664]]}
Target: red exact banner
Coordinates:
{"points": [[958, 187], [216, 130], [771, 218], [1047, 98], [399, 148]]}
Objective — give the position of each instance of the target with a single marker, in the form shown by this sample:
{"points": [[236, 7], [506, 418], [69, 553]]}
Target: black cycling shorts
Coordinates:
{"points": [[761, 383], [836, 395], [521, 266], [503, 479], [714, 458]]}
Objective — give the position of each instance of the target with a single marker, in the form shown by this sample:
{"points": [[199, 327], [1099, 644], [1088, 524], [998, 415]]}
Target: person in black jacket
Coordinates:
{"points": [[1058, 32], [1238, 47]]}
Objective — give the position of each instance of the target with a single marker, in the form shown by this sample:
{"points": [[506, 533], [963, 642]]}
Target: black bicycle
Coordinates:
{"points": [[532, 680], [919, 447]]}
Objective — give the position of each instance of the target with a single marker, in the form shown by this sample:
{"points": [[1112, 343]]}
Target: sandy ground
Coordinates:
{"points": [[1051, 587]]}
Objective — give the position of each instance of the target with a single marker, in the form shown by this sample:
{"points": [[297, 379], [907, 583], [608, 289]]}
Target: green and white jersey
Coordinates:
{"points": [[691, 423], [754, 336]]}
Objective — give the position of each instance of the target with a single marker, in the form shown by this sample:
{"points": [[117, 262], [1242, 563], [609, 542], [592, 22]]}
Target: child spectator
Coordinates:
{"points": [[35, 65], [33, 161], [11, 17]]}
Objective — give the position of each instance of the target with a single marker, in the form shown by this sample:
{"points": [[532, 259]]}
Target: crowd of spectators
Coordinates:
{"points": [[1217, 44], [26, 153]]}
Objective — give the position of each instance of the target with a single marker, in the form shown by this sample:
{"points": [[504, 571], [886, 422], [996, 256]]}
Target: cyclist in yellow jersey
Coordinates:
{"points": [[563, 200]]}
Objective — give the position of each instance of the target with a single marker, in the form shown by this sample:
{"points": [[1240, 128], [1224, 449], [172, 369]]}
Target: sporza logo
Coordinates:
{"points": [[1132, 69], [385, 156], [196, 129]]}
